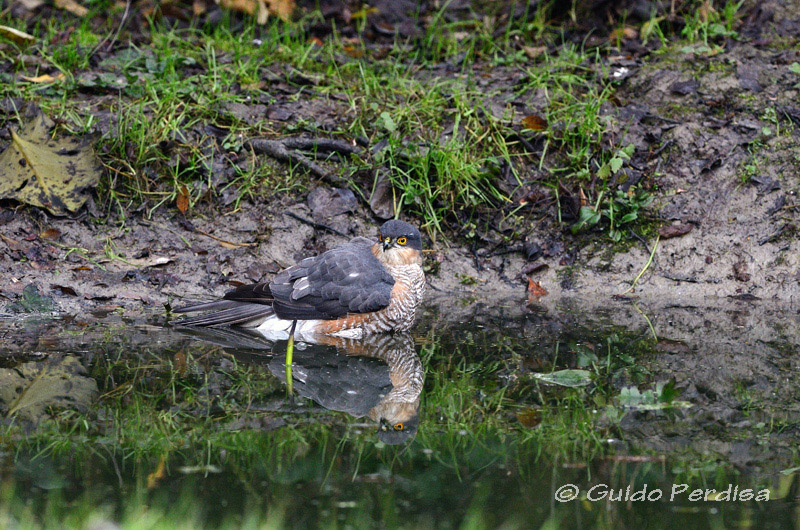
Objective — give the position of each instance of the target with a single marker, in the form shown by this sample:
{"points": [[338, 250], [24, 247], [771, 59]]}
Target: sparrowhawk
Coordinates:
{"points": [[356, 289]]}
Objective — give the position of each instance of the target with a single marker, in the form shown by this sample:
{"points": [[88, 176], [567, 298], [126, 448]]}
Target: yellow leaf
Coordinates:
{"points": [[534, 51], [72, 6], [56, 174], [183, 200], [160, 472], [364, 12], [261, 8], [46, 78], [15, 35], [534, 123]]}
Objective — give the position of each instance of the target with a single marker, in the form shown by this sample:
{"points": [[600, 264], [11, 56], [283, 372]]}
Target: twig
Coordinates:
{"points": [[225, 242], [321, 144], [281, 153], [116, 35], [641, 240], [287, 150], [315, 224]]}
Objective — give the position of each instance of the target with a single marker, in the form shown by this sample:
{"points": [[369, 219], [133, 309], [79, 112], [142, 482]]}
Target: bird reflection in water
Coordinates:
{"points": [[379, 376]]}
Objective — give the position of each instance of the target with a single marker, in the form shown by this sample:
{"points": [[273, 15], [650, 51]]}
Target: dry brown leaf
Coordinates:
{"points": [[13, 244], [258, 85], [15, 35], [198, 8], [535, 291], [158, 475], [626, 33], [534, 123], [353, 52], [183, 200], [180, 362], [534, 51], [282, 8], [46, 78], [66, 289], [51, 233], [261, 8], [73, 7], [705, 10], [670, 231], [584, 200], [530, 418]]}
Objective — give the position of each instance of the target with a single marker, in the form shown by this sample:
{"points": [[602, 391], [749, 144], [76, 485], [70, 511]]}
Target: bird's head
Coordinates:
{"points": [[399, 242], [395, 431]]}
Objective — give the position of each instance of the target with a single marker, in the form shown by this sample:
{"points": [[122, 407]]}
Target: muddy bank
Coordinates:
{"points": [[716, 138]]}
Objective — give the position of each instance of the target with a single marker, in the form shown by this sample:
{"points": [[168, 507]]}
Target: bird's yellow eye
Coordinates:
{"points": [[398, 426], [401, 241]]}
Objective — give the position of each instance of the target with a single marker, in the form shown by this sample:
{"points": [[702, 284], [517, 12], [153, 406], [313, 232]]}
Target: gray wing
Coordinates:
{"points": [[346, 279]]}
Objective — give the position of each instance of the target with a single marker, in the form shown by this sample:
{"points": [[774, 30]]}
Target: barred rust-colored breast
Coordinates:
{"points": [[399, 315]]}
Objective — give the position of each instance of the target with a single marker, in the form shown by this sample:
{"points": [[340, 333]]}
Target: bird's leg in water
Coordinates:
{"points": [[289, 355]]}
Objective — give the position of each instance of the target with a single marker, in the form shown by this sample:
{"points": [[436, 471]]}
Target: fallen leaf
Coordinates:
{"points": [[183, 200], [180, 362], [363, 13], [258, 85], [534, 51], [150, 261], [30, 5], [15, 35], [534, 123], [535, 290], [282, 8], [353, 52], [529, 418], [158, 475], [73, 7], [584, 200], [668, 232], [382, 200], [626, 33], [13, 244], [705, 10], [61, 383], [66, 290], [569, 378], [32, 302], [51, 233], [261, 8], [54, 174], [46, 78]]}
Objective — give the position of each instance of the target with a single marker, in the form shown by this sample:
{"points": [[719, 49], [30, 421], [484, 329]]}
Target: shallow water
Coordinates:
{"points": [[117, 418]]}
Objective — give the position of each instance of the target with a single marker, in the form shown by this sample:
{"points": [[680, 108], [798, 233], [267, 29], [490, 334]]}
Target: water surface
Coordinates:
{"points": [[471, 421]]}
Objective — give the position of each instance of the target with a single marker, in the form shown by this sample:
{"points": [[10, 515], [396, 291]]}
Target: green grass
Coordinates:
{"points": [[444, 150]]}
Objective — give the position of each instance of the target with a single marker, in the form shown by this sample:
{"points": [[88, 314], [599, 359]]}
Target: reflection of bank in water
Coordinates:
{"points": [[380, 376]]}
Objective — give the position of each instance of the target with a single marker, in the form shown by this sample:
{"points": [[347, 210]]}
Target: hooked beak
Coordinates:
{"points": [[384, 425], [387, 243]]}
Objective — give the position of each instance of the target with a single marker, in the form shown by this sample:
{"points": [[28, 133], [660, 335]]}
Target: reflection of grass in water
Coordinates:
{"points": [[199, 409]]}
